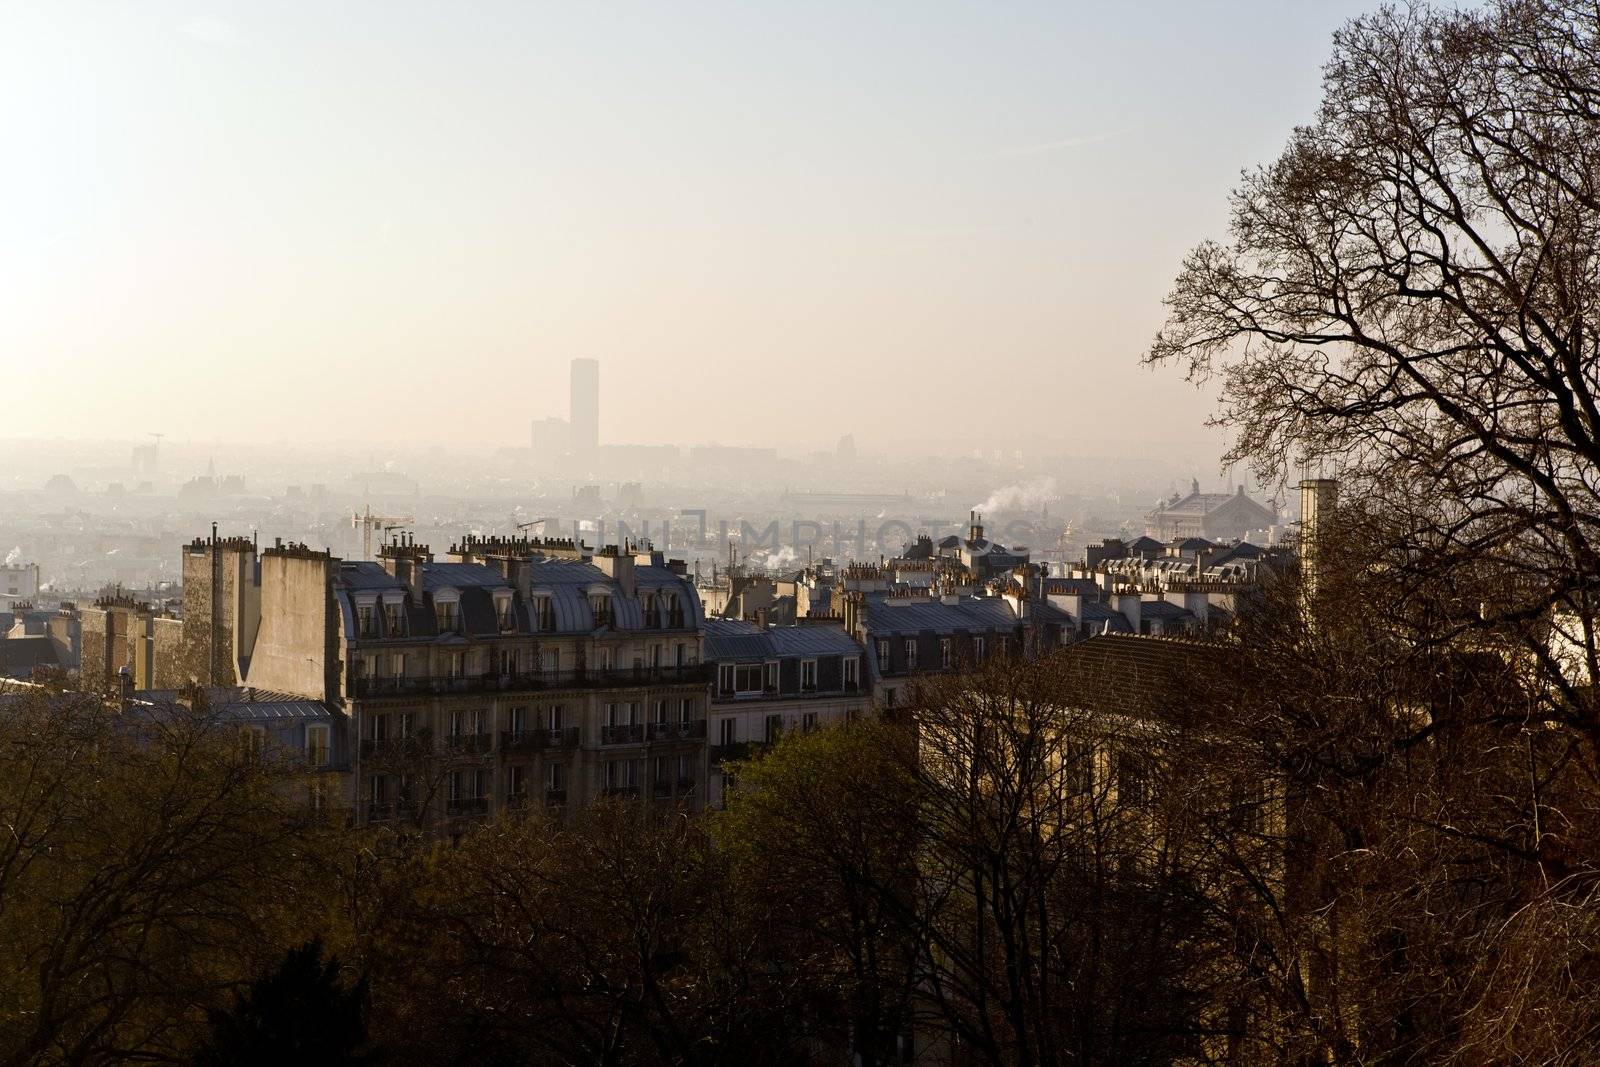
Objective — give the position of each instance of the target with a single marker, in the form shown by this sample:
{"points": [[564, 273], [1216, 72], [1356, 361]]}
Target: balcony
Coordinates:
{"points": [[538, 740], [469, 744], [529, 681], [622, 735], [692, 730], [620, 791], [459, 807], [395, 747], [390, 810], [736, 750]]}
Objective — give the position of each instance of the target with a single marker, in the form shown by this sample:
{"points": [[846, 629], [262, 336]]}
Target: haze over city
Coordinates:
{"points": [[799, 534], [277, 223]]}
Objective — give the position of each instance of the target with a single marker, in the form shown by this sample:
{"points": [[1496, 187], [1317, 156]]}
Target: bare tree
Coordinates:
{"points": [[147, 872], [1409, 296]]}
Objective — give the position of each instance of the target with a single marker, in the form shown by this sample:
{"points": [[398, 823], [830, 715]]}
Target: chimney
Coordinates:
{"points": [[1129, 605], [1319, 504], [618, 567]]}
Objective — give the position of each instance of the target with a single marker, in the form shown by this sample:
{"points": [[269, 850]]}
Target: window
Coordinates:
{"points": [[469, 785], [808, 721], [808, 675], [852, 672], [727, 732], [518, 720], [600, 607], [944, 653], [398, 664], [686, 709], [516, 783], [660, 772], [658, 711], [394, 619], [544, 612], [552, 660], [1079, 768], [444, 614], [622, 774], [455, 664], [253, 742], [772, 678], [317, 746], [725, 678], [685, 772], [888, 697], [911, 653], [774, 728], [555, 717], [503, 614], [977, 649], [508, 661], [405, 724], [380, 727], [1133, 786], [747, 678], [468, 723], [555, 777], [365, 623], [883, 654]]}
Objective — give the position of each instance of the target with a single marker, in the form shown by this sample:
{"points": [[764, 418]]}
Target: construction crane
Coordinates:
{"points": [[531, 523], [368, 522]]}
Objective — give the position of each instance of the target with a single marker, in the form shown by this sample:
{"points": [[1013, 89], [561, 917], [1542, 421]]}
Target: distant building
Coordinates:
{"points": [[18, 581], [1214, 516], [552, 437], [979, 555]]}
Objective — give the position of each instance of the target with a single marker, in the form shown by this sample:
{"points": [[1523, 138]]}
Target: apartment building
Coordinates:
{"points": [[513, 672], [503, 678], [910, 635], [768, 681]]}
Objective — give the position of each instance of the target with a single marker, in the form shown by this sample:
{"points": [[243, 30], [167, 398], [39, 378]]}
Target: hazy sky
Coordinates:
{"points": [[771, 222]]}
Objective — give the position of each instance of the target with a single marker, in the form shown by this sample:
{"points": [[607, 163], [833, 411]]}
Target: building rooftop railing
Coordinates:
{"points": [[529, 681]]}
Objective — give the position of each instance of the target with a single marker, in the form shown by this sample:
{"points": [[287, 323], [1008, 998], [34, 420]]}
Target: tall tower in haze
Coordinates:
{"points": [[585, 412]]}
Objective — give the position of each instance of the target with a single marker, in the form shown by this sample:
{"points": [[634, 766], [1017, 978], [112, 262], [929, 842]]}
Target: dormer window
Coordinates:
{"points": [[395, 619], [600, 605], [366, 622], [503, 612], [544, 613], [444, 613]]}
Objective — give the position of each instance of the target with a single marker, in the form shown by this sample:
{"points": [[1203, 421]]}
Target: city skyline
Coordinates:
{"points": [[274, 201]]}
